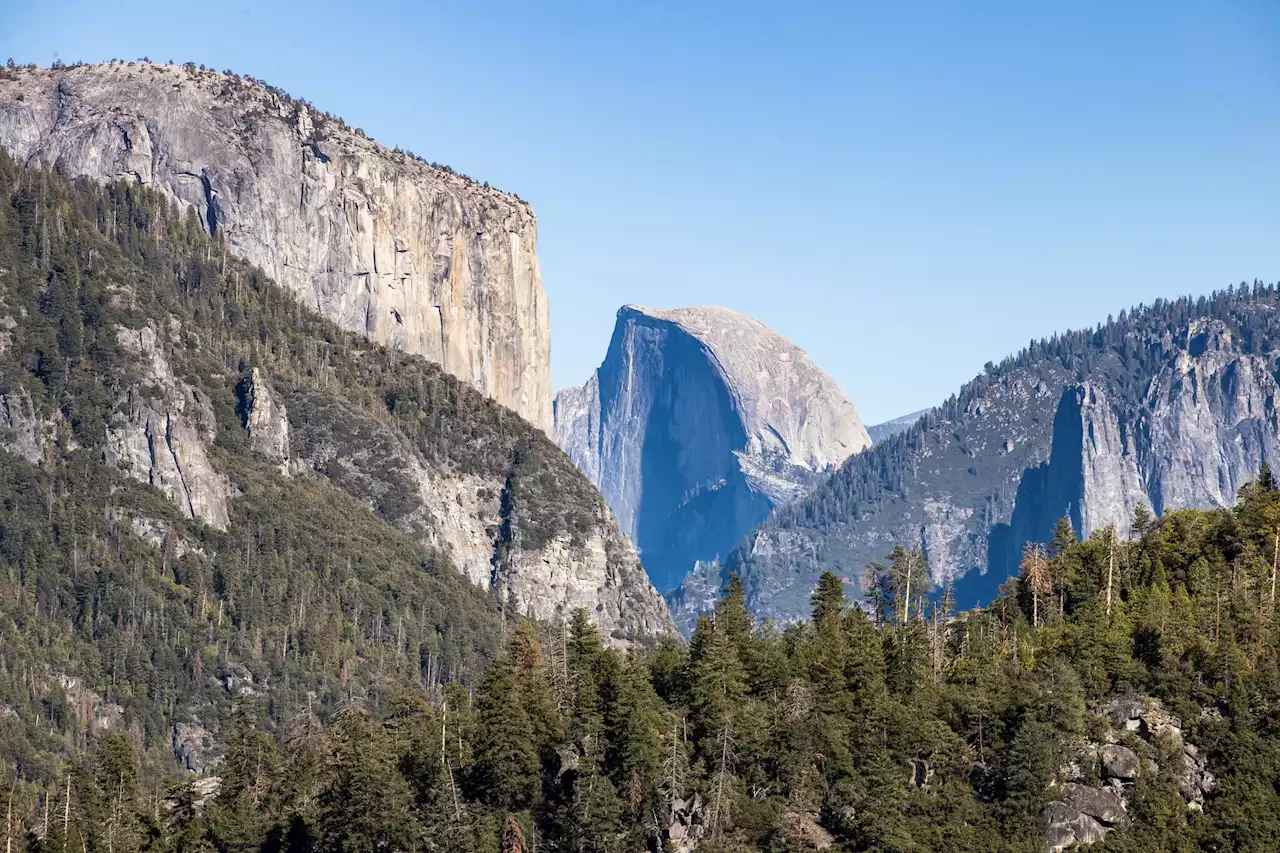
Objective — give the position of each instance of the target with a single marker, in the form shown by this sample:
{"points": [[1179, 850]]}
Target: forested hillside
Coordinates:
{"points": [[165, 548], [1122, 693]]}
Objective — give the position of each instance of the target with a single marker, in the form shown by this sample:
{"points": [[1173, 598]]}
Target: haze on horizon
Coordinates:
{"points": [[906, 192]]}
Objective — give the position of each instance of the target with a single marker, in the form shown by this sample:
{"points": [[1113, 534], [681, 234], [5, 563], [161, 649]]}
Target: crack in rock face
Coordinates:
{"points": [[159, 435]]}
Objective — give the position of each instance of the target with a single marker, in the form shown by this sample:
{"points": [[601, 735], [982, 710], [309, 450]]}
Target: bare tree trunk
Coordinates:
{"points": [[1217, 615], [719, 807], [1111, 569], [1275, 555], [66, 815], [906, 607]]}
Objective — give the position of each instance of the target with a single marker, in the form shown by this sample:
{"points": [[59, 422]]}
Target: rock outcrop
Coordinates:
{"points": [[1084, 813], [266, 418], [159, 434], [1162, 410], [20, 427], [410, 255], [1206, 424], [697, 424]]}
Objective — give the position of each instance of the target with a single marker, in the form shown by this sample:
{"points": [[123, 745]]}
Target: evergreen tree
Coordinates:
{"points": [[366, 805]]}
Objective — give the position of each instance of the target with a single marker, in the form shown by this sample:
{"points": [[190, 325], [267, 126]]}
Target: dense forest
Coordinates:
{"points": [[891, 726]]}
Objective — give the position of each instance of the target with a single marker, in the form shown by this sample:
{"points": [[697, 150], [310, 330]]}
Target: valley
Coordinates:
{"points": [[299, 551]]}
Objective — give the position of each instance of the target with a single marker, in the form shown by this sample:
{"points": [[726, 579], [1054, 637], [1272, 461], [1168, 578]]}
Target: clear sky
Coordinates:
{"points": [[906, 190]]}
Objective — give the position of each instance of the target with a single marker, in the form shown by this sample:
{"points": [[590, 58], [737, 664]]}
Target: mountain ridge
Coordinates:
{"points": [[952, 482]]}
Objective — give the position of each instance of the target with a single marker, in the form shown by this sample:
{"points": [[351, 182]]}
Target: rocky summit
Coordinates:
{"points": [[408, 254], [699, 422], [1171, 406]]}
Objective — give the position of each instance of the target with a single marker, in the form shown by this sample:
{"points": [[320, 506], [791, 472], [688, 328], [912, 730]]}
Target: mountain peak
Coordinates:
{"points": [[699, 422]]}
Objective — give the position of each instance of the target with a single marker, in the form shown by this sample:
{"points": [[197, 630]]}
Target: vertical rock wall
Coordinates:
{"points": [[411, 256]]}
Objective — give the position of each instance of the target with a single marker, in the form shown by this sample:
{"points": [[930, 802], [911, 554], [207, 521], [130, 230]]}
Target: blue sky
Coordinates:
{"points": [[906, 190]]}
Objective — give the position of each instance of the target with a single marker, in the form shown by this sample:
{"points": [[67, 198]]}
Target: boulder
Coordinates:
{"points": [[1106, 807], [1065, 827], [1120, 762]]}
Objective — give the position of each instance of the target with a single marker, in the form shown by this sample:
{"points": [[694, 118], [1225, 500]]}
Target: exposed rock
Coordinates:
{"points": [[1120, 762], [687, 824], [1195, 781], [1066, 827], [1104, 806], [19, 426], [1124, 710], [1025, 445], [1208, 422], [162, 536], [266, 418], [91, 709], [413, 256], [698, 422], [204, 788], [237, 680], [159, 434], [1143, 722], [601, 574], [804, 829], [920, 772], [193, 747]]}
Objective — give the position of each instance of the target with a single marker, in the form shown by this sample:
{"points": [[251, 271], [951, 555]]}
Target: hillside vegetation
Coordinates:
{"points": [[119, 612], [1135, 680]]}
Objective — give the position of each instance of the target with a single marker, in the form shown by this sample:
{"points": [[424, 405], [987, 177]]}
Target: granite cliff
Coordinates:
{"points": [[699, 422], [406, 254], [1170, 406]]}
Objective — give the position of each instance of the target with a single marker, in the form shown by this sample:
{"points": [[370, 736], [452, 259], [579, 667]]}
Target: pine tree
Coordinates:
{"points": [[506, 772], [827, 652], [366, 805], [237, 814], [717, 682], [637, 724], [118, 775]]}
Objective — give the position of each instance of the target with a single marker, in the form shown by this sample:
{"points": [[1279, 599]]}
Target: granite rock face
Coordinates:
{"points": [[1206, 424], [20, 428], [1182, 425], [697, 424], [160, 432], [411, 256], [266, 418]]}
